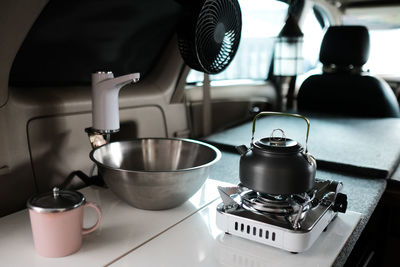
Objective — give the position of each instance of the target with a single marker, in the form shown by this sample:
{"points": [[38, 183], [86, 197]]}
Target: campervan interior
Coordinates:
{"points": [[348, 85]]}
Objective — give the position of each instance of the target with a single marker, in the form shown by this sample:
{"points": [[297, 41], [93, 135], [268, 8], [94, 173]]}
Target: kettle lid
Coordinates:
{"points": [[271, 145], [278, 144]]}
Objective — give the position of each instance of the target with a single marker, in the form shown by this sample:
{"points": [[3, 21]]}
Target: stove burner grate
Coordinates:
{"points": [[292, 207]]}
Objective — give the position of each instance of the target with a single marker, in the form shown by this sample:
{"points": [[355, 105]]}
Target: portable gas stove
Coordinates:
{"points": [[289, 222]]}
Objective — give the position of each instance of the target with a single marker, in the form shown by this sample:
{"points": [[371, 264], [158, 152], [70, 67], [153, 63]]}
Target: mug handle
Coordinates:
{"points": [[96, 225]]}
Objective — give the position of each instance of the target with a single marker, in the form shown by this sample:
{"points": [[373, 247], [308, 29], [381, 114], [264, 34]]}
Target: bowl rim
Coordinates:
{"points": [[218, 155]]}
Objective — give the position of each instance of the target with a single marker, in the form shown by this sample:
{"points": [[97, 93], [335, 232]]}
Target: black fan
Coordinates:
{"points": [[209, 34]]}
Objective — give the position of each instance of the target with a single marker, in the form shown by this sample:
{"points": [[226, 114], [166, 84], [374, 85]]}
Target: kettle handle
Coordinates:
{"points": [[269, 113]]}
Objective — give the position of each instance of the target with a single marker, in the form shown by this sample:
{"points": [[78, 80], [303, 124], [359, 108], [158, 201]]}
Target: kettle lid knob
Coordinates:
{"points": [[277, 141]]}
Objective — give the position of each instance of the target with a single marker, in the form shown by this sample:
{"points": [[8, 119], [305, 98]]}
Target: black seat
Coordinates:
{"points": [[343, 88]]}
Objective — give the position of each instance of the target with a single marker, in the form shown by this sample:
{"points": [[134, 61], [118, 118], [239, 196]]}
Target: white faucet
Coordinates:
{"points": [[105, 108]]}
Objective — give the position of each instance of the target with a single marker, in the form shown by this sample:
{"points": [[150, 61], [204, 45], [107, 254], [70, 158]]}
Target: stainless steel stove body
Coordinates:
{"points": [[290, 222]]}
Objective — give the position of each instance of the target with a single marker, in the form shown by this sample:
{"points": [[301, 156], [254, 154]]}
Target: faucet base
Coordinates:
{"points": [[99, 137]]}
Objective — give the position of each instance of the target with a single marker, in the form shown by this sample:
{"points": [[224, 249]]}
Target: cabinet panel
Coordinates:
{"points": [[59, 144]]}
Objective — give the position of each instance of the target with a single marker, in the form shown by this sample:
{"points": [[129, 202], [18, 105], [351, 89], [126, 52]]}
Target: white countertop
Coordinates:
{"points": [[122, 229], [176, 237], [198, 242]]}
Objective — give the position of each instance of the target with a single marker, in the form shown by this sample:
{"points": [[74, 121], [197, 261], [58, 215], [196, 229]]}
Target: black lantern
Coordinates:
{"points": [[288, 59]]}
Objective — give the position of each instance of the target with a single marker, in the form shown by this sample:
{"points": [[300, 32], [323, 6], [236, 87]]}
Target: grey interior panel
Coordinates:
{"points": [[16, 20], [231, 104], [332, 139], [59, 144], [225, 114]]}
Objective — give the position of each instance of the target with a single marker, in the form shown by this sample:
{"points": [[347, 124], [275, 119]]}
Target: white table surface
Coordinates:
{"points": [[198, 242], [122, 229], [184, 236]]}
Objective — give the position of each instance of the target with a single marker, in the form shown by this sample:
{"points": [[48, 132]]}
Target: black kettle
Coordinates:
{"points": [[277, 165]]}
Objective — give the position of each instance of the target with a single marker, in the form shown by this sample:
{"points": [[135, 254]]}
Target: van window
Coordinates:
{"points": [[71, 39], [383, 24], [314, 24], [262, 20], [384, 54]]}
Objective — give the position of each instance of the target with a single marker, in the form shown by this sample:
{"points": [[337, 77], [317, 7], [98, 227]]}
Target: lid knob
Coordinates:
{"points": [[278, 141], [56, 201], [56, 192], [267, 113]]}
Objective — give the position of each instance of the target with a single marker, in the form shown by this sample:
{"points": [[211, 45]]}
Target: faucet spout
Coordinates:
{"points": [[108, 82], [105, 108]]}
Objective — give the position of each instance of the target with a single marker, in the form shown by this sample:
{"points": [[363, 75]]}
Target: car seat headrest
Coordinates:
{"points": [[344, 46]]}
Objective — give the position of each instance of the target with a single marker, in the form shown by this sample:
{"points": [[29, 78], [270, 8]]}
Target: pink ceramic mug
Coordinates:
{"points": [[57, 222]]}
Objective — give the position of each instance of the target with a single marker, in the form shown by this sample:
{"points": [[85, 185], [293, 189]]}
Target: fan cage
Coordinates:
{"points": [[210, 43]]}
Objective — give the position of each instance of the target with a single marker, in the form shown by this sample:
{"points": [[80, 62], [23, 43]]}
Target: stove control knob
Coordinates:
{"points": [[340, 204]]}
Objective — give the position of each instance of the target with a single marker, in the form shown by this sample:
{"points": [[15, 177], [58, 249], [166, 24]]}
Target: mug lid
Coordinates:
{"points": [[56, 201]]}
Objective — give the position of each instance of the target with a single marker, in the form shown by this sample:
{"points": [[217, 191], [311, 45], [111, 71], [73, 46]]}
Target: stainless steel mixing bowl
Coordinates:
{"points": [[155, 173]]}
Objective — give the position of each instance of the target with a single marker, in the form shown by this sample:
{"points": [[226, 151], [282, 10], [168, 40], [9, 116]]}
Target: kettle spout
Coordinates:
{"points": [[242, 149]]}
